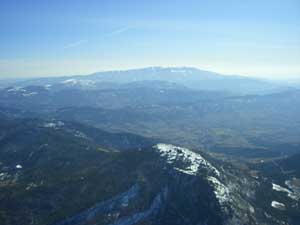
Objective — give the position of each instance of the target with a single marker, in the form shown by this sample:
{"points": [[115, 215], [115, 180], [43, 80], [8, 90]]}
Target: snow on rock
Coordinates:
{"points": [[70, 81], [16, 89], [291, 194], [277, 187], [278, 205], [83, 83], [19, 166], [180, 70], [48, 125], [22, 91], [53, 124], [251, 209], [3, 176], [220, 190], [194, 160], [294, 185], [80, 134], [28, 94], [48, 86]]}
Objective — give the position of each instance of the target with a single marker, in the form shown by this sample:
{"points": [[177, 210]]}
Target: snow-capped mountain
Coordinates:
{"points": [[186, 76]]}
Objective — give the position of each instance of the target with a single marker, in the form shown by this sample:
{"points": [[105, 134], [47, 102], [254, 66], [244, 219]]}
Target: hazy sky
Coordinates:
{"points": [[61, 37]]}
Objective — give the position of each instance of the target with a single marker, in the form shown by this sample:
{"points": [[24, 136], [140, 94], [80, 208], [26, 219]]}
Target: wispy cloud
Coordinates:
{"points": [[118, 31], [110, 34], [75, 44]]}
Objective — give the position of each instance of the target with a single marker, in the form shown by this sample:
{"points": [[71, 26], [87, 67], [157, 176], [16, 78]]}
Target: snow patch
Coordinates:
{"points": [[178, 70], [55, 125], [77, 82], [277, 187], [194, 160], [80, 134], [29, 94], [48, 86], [291, 194], [3, 176], [294, 185], [251, 209], [21, 91], [70, 81], [278, 205], [19, 166], [16, 89]]}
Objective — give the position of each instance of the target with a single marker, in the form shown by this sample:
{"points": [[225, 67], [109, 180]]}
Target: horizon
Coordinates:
{"points": [[274, 79], [254, 39]]}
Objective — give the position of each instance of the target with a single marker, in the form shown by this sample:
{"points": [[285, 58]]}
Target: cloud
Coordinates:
{"points": [[118, 31], [111, 34], [75, 44]]}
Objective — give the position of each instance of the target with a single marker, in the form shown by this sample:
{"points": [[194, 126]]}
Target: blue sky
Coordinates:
{"points": [[62, 37]]}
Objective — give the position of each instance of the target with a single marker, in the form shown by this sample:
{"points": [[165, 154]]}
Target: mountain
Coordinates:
{"points": [[50, 175], [247, 126], [131, 94], [239, 126], [152, 146], [186, 76]]}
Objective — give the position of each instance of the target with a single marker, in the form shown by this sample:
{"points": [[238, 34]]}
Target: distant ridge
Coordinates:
{"points": [[189, 77]]}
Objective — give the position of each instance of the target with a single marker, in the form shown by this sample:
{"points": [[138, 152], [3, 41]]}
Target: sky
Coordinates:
{"points": [[259, 38]]}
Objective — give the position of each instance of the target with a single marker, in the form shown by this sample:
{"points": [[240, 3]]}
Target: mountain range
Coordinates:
{"points": [[153, 146], [186, 76]]}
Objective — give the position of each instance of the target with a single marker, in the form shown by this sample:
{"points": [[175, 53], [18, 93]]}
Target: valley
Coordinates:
{"points": [[154, 147]]}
